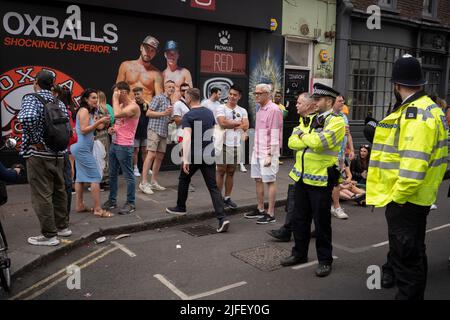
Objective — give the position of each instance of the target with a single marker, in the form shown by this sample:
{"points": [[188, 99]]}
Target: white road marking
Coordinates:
{"points": [[54, 283], [213, 292], [169, 285], [124, 249], [184, 296], [62, 271], [439, 228], [309, 264], [382, 244]]}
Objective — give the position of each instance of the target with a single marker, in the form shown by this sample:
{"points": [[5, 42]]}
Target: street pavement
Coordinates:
{"points": [[170, 264], [20, 222]]}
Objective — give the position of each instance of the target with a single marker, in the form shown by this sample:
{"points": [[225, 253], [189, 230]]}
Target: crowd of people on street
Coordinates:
{"points": [[108, 139]]}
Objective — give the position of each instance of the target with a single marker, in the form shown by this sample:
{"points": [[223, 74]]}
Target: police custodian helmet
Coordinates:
{"points": [[408, 72]]}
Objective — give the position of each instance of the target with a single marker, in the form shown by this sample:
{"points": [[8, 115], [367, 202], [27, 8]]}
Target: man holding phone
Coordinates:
{"points": [[126, 113]]}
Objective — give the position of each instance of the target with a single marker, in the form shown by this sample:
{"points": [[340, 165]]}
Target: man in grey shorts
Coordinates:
{"points": [[234, 120], [160, 113]]}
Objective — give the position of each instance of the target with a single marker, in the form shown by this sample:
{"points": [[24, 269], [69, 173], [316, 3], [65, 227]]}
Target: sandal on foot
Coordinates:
{"points": [[85, 209], [103, 214]]}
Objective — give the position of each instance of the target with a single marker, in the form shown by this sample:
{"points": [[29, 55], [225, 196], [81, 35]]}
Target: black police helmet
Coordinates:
{"points": [[407, 72]]}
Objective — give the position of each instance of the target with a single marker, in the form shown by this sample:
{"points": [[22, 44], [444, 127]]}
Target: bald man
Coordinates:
{"points": [[141, 72]]}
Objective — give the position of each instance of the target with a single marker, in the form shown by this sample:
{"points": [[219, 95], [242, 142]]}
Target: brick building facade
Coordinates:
{"points": [[418, 27]]}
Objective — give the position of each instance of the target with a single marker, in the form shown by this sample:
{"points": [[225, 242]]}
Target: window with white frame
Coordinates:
{"points": [[297, 54]]}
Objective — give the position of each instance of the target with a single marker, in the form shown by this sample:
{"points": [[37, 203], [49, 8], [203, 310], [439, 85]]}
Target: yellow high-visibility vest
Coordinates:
{"points": [[317, 149], [409, 155]]}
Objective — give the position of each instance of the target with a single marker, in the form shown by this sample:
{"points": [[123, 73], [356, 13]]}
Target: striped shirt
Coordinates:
{"points": [[31, 116]]}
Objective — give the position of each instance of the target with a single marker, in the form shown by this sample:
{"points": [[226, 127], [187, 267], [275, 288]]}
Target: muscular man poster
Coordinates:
{"points": [[141, 72], [173, 72]]}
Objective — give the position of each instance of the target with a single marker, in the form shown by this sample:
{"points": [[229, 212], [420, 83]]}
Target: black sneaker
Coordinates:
{"points": [[176, 211], [223, 226], [255, 214], [230, 204], [108, 205], [128, 208], [266, 219]]}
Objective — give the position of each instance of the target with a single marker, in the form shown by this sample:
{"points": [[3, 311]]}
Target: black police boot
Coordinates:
{"points": [[323, 270], [387, 280], [292, 261], [282, 236]]}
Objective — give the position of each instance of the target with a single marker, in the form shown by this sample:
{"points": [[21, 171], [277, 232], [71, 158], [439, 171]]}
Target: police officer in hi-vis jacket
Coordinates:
{"points": [[317, 142], [407, 165]]}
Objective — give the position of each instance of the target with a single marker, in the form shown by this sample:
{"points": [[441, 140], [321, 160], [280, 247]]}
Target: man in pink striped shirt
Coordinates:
{"points": [[266, 153]]}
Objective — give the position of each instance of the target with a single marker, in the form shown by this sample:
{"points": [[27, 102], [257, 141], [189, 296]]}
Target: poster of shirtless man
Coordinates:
{"points": [[141, 72], [173, 72]]}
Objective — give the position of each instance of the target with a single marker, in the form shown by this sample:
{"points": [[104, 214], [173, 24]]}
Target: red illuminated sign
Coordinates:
{"points": [[204, 4], [223, 63]]}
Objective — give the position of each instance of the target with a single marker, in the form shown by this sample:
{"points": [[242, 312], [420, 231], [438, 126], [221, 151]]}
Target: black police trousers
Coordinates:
{"points": [[286, 229], [312, 203], [407, 259]]}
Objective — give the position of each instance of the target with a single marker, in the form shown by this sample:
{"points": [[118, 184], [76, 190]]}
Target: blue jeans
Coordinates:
{"points": [[121, 157]]}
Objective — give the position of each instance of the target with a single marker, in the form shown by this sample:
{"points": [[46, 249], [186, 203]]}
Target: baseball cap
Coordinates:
{"points": [[171, 45], [151, 41], [45, 79]]}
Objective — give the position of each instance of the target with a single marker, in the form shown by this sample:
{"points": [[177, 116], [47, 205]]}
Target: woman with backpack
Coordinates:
{"points": [[85, 163]]}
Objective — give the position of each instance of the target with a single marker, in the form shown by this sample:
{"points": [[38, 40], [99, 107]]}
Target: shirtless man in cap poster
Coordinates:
{"points": [[141, 72], [173, 72]]}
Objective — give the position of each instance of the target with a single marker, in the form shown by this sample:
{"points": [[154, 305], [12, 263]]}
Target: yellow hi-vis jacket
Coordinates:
{"points": [[409, 155], [317, 149]]}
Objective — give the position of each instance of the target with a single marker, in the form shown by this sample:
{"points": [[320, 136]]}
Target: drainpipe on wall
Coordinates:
{"points": [[343, 37]]}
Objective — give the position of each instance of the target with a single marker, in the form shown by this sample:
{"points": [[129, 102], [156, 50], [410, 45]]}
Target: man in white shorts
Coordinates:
{"points": [[266, 153]]}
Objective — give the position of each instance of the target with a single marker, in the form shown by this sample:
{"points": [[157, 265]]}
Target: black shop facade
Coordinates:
{"points": [[220, 43]]}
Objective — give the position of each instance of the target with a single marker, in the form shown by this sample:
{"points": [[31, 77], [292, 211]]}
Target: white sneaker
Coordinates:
{"points": [[43, 241], [157, 187], [65, 233], [339, 213], [146, 188], [150, 172], [136, 172], [243, 168], [433, 207], [332, 210]]}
